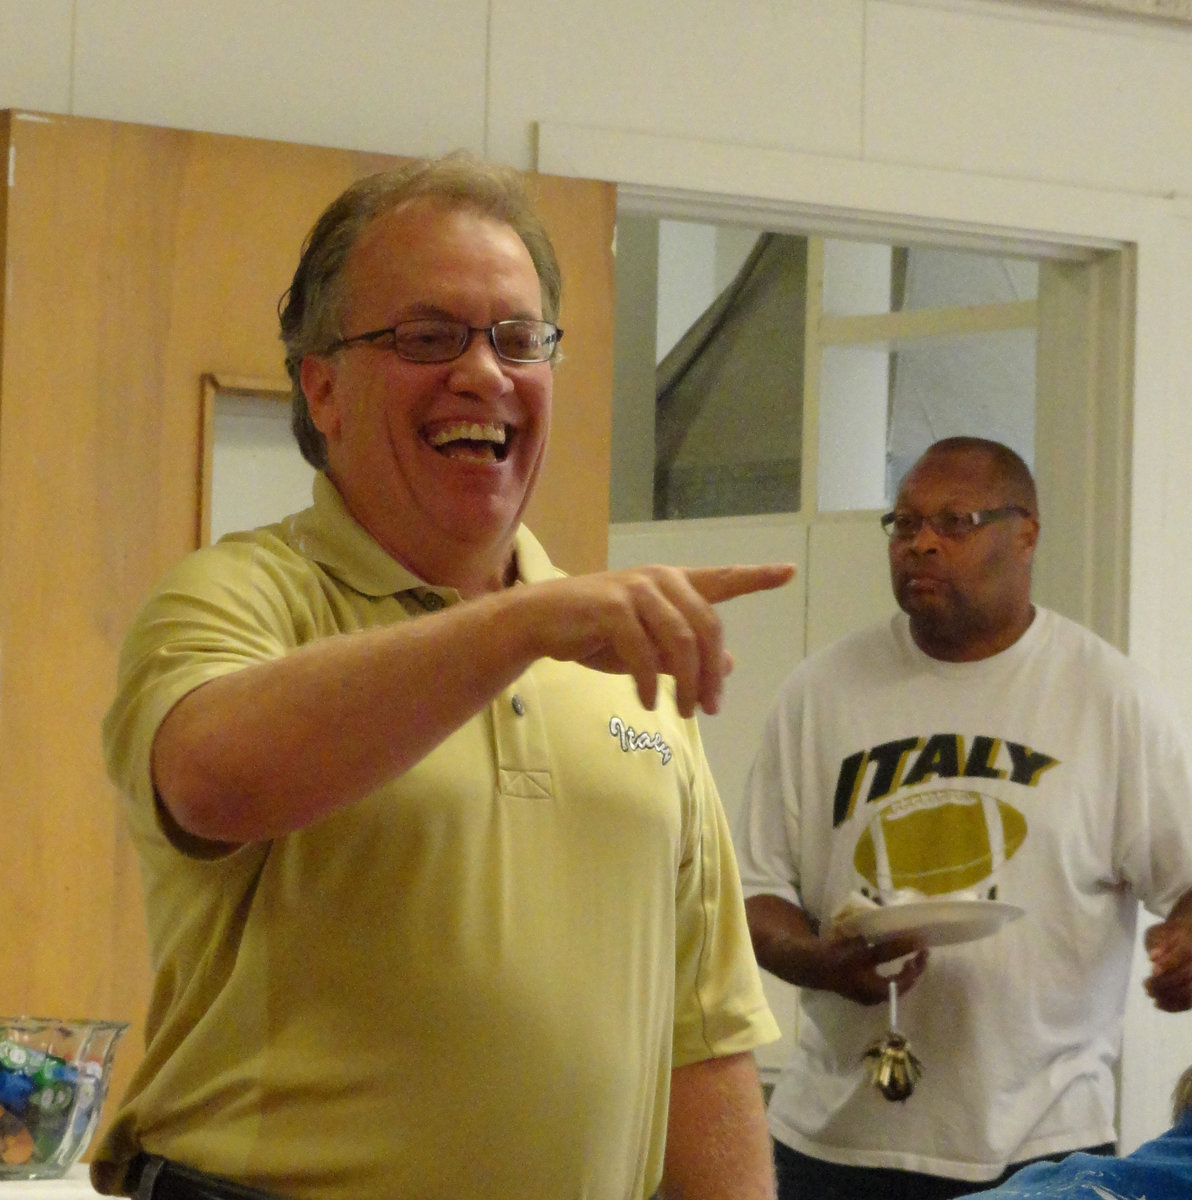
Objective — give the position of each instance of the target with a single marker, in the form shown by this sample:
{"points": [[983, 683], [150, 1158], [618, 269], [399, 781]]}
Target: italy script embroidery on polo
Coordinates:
{"points": [[632, 740]]}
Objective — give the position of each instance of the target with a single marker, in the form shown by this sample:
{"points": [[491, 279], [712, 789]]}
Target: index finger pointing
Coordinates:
{"points": [[715, 584]]}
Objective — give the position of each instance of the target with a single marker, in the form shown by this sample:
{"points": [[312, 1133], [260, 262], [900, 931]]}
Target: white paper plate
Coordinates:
{"points": [[934, 922]]}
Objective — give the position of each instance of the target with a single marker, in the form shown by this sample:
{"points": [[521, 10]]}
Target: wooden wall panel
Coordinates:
{"points": [[138, 260], [569, 511]]}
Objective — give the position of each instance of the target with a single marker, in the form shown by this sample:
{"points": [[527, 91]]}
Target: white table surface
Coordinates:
{"points": [[74, 1185]]}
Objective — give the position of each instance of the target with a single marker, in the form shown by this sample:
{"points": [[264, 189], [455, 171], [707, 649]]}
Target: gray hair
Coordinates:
{"points": [[1181, 1098], [311, 308]]}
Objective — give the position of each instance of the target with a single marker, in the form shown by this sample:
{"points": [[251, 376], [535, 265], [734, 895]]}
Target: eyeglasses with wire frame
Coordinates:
{"points": [[440, 340], [951, 525]]}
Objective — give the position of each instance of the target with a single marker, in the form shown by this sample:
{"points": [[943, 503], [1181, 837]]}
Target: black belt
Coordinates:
{"points": [[151, 1177]]}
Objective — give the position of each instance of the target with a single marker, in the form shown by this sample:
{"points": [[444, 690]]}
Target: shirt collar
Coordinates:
{"points": [[329, 534]]}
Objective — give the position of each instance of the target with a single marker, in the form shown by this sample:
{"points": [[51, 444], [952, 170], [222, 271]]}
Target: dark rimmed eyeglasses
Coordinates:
{"points": [[438, 340], [952, 525]]}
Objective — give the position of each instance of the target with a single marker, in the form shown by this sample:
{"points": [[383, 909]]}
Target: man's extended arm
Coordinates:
{"points": [[717, 1143], [276, 746]]}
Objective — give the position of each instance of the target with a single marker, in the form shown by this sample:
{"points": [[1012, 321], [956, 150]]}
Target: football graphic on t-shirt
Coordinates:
{"points": [[938, 841]]}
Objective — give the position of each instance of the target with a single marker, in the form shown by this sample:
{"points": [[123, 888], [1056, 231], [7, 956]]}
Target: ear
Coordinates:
{"points": [[1030, 535], [318, 374]]}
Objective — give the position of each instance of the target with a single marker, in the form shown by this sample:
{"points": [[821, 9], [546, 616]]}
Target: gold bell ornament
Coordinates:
{"points": [[893, 1067]]}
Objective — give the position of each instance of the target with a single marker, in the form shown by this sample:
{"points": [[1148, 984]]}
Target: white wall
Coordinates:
{"points": [[993, 115], [1001, 87], [257, 475]]}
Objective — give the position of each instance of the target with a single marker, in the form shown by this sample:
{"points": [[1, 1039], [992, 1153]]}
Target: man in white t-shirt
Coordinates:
{"points": [[975, 747]]}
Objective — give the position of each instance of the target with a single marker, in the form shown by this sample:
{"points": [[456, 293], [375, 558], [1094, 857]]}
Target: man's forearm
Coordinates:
{"points": [[717, 1145], [272, 748], [275, 746], [784, 940], [787, 945]]}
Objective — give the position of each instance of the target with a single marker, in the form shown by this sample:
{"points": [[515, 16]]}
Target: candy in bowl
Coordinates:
{"points": [[53, 1079]]}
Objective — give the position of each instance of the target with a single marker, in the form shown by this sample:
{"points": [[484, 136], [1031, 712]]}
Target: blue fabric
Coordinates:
{"points": [[1157, 1170]]}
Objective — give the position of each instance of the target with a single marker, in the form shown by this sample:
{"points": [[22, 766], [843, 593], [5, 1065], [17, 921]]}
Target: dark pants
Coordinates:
{"points": [[801, 1177]]}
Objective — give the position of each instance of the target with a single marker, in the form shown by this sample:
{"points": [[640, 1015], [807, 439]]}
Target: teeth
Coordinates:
{"points": [[469, 431]]}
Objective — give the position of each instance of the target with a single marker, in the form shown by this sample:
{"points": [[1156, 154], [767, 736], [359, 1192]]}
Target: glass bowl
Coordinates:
{"points": [[53, 1079]]}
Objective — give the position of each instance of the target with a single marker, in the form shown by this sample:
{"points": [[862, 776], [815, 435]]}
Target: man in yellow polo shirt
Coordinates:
{"points": [[440, 895]]}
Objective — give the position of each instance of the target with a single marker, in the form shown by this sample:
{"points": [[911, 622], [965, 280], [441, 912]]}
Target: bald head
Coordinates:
{"points": [[1001, 466]]}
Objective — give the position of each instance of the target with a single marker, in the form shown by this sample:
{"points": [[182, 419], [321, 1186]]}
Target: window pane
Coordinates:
{"points": [[951, 278], [728, 415], [854, 403], [980, 383]]}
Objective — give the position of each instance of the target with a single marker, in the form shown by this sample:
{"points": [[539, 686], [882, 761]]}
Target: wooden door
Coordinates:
{"points": [[138, 260]]}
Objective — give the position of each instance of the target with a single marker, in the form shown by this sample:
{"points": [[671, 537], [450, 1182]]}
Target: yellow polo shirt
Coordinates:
{"points": [[472, 983]]}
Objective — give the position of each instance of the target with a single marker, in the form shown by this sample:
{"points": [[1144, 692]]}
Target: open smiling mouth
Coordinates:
{"points": [[472, 440]]}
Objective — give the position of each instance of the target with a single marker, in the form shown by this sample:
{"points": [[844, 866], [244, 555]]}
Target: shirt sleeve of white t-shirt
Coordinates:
{"points": [[766, 829], [1154, 834]]}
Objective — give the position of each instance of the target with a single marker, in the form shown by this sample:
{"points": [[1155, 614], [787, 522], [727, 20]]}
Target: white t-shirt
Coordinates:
{"points": [[1053, 776]]}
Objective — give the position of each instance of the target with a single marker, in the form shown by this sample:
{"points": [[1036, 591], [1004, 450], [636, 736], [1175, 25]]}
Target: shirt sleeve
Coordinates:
{"points": [[217, 611], [1153, 836], [767, 827], [720, 1007]]}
